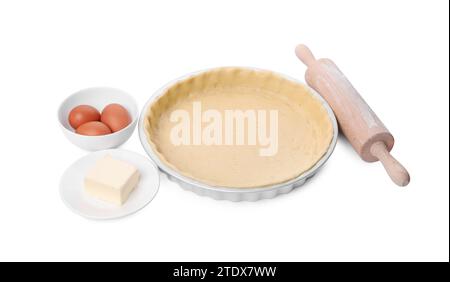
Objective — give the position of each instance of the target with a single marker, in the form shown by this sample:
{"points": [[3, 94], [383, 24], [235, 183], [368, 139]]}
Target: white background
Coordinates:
{"points": [[394, 52]]}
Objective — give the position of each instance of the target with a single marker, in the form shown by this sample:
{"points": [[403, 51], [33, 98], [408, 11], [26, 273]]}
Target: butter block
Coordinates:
{"points": [[111, 180]]}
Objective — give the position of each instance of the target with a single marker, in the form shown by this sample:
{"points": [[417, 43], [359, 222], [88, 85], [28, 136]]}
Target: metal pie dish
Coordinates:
{"points": [[230, 193]]}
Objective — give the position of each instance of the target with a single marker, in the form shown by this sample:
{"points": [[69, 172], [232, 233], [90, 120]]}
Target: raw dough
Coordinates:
{"points": [[305, 130]]}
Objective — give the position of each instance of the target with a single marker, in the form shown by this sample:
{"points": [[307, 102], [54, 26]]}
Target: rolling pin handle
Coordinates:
{"points": [[305, 55], [394, 168]]}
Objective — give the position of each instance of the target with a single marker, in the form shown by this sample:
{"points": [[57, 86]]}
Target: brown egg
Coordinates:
{"points": [[93, 128], [116, 117], [82, 114]]}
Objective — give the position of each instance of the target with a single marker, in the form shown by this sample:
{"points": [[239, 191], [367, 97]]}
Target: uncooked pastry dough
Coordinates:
{"points": [[305, 129]]}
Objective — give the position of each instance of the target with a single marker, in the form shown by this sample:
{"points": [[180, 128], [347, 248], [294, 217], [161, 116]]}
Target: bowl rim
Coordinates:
{"points": [[73, 133], [223, 189]]}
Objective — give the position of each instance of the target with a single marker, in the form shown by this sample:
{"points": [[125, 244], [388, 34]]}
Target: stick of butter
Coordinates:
{"points": [[111, 180]]}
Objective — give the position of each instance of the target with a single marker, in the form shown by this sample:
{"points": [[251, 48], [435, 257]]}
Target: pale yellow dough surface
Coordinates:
{"points": [[305, 129]]}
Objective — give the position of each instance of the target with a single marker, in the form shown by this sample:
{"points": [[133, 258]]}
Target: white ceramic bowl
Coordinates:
{"points": [[98, 97]]}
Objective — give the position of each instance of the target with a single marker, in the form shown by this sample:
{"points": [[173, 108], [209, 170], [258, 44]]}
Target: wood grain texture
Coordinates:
{"points": [[357, 121]]}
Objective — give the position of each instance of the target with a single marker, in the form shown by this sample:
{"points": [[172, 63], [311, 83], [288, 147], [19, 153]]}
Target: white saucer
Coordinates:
{"points": [[73, 195]]}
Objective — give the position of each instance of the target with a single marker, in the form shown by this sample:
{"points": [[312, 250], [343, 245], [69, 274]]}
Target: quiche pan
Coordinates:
{"points": [[306, 133]]}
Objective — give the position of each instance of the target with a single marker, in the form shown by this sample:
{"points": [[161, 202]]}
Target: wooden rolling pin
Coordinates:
{"points": [[364, 130]]}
